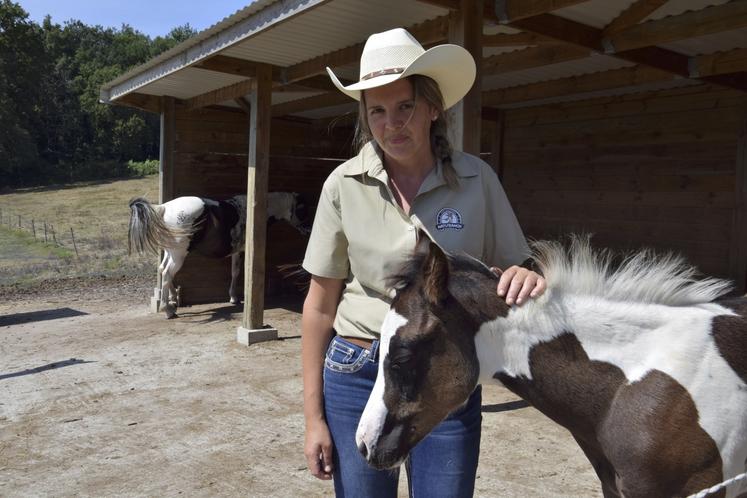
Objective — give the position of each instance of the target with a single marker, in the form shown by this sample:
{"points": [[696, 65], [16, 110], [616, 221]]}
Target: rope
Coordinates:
{"points": [[718, 487]]}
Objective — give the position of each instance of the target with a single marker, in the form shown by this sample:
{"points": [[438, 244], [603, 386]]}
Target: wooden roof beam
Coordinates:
{"points": [[732, 15], [634, 14], [214, 97], [433, 31], [142, 101], [729, 62], [532, 57], [514, 40], [511, 10], [589, 37], [310, 103], [604, 80], [236, 66]]}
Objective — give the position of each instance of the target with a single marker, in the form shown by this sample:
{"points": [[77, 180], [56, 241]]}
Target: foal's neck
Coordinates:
{"points": [[505, 343]]}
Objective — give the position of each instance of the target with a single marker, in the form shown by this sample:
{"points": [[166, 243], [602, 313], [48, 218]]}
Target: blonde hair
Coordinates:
{"points": [[427, 88]]}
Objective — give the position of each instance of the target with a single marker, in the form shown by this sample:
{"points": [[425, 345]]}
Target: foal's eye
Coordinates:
{"points": [[401, 358]]}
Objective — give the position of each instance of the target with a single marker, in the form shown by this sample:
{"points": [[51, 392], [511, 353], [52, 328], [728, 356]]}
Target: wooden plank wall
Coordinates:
{"points": [[646, 170], [210, 155]]}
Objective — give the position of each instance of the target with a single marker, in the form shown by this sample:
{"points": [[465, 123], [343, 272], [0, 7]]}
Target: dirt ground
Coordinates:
{"points": [[98, 397]]}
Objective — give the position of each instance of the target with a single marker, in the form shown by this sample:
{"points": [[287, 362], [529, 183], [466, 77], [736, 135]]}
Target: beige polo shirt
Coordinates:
{"points": [[362, 235]]}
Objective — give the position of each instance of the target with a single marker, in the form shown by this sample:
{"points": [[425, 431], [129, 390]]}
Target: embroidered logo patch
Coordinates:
{"points": [[449, 218]]}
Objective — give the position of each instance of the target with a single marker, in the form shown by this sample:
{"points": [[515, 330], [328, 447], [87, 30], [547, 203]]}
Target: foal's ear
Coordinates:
{"points": [[435, 270]]}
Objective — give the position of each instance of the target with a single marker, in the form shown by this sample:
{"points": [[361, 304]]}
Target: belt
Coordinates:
{"points": [[358, 341]]}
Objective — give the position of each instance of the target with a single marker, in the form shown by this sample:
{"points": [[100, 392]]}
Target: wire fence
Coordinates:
{"points": [[41, 230]]}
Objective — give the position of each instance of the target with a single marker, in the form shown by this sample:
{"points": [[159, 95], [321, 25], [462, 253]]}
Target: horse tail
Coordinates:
{"points": [[148, 231]]}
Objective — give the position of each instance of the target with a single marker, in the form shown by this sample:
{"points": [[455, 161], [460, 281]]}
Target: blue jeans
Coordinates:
{"points": [[443, 464]]}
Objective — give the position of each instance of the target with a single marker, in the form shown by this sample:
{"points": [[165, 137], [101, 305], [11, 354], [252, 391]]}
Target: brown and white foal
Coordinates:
{"points": [[640, 364]]}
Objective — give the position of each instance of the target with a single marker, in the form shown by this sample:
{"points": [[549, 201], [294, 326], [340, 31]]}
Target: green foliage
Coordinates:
{"points": [[143, 168], [53, 127]]}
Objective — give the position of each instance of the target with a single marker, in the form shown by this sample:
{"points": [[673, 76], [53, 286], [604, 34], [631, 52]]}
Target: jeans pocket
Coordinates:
{"points": [[344, 357]]}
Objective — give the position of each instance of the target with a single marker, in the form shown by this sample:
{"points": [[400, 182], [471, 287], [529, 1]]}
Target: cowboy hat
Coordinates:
{"points": [[396, 54]]}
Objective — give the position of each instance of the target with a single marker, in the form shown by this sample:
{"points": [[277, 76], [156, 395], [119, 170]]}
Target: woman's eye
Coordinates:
{"points": [[407, 106]]}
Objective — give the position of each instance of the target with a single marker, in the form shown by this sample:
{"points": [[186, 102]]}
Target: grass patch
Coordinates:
{"points": [[98, 214]]}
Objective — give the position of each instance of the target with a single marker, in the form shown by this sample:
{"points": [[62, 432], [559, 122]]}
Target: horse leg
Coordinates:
{"points": [[164, 260], [168, 292], [235, 272], [166, 285]]}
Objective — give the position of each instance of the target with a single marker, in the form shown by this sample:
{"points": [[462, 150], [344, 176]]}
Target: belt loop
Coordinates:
{"points": [[375, 351]]}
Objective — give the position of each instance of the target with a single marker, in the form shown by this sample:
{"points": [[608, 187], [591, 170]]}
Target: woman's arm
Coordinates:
{"points": [[316, 331]]}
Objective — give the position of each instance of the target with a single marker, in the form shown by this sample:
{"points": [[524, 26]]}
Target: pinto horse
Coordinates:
{"points": [[212, 228], [644, 365]]}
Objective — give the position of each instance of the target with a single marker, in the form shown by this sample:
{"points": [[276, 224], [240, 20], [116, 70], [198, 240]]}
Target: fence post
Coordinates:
{"points": [[45, 232], [74, 246], [54, 237], [19, 221], [33, 228]]}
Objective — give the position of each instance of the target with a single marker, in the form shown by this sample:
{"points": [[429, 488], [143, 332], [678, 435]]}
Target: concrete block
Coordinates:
{"points": [[252, 336]]}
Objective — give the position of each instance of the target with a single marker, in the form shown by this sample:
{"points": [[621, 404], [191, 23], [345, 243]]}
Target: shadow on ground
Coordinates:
{"points": [[38, 316], [44, 368], [505, 407]]}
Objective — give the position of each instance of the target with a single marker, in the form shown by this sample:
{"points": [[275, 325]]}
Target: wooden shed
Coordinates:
{"points": [[622, 118]]}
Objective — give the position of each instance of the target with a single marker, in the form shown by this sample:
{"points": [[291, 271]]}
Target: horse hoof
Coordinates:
{"points": [[170, 311]]}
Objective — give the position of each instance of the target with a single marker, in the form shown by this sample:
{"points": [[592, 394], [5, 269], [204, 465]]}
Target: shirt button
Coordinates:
{"points": [[411, 228]]}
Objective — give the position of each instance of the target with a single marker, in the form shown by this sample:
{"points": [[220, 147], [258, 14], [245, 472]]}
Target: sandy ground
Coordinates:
{"points": [[98, 397]]}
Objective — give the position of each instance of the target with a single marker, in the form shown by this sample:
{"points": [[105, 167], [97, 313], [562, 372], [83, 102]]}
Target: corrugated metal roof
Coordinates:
{"points": [[596, 13], [592, 64], [680, 82], [189, 82], [330, 27], [286, 32], [677, 7], [325, 28], [710, 44], [254, 6]]}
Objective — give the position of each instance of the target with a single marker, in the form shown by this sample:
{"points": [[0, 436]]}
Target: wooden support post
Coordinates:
{"points": [[260, 103], [496, 127], [465, 29], [166, 176], [738, 246]]}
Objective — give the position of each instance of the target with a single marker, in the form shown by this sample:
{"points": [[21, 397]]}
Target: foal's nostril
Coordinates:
{"points": [[363, 449]]}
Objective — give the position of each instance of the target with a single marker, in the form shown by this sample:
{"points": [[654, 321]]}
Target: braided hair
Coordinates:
{"points": [[428, 89]]}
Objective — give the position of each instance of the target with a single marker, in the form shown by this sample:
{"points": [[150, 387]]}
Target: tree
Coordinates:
{"points": [[53, 126], [22, 57]]}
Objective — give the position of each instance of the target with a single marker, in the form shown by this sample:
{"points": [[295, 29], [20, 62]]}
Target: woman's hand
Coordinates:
{"points": [[518, 284], [318, 450]]}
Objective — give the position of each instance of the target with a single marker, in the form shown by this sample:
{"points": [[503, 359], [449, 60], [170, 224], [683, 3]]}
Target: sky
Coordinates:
{"points": [[151, 17]]}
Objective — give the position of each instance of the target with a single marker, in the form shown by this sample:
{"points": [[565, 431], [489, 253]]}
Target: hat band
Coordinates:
{"points": [[382, 72]]}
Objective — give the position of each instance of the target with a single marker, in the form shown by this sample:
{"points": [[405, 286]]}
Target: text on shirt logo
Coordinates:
{"points": [[449, 218]]}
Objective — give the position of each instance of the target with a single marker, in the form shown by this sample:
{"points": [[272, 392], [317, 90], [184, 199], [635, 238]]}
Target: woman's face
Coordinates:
{"points": [[400, 125]]}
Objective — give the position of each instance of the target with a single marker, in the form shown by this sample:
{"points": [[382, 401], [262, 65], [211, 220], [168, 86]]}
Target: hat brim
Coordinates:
{"points": [[450, 66]]}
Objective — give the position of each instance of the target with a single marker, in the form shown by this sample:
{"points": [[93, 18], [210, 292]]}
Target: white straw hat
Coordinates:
{"points": [[396, 54]]}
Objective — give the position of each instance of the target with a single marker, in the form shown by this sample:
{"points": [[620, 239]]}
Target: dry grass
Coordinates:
{"points": [[97, 212]]}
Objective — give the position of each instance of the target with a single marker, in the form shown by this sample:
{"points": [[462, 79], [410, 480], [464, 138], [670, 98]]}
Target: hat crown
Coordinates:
{"points": [[390, 51]]}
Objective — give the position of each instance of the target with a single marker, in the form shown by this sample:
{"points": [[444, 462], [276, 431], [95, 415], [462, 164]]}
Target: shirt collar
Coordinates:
{"points": [[369, 161]]}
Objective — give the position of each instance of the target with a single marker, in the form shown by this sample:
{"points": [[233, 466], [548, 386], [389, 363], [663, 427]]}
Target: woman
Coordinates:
{"points": [[405, 177]]}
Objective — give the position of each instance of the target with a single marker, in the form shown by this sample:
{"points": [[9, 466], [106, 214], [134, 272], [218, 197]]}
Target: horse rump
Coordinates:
{"points": [[148, 231]]}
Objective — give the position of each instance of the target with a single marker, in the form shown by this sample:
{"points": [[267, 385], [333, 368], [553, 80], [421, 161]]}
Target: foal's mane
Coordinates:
{"points": [[576, 268], [642, 277]]}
